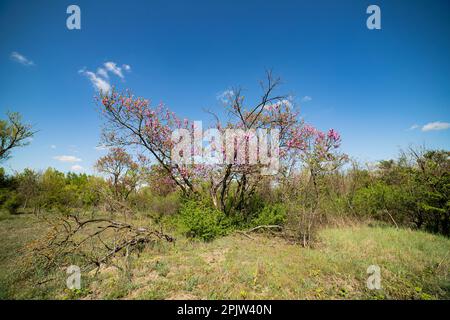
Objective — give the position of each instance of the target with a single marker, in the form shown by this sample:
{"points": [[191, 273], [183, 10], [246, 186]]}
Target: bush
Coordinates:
{"points": [[12, 203], [198, 220], [271, 215], [386, 203]]}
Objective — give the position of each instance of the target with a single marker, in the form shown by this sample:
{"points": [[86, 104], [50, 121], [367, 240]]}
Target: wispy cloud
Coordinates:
{"points": [[306, 99], [432, 126], [100, 79], [20, 58], [225, 96], [67, 158], [438, 125], [76, 167], [52, 146], [285, 102], [103, 73], [99, 83], [101, 148], [112, 67]]}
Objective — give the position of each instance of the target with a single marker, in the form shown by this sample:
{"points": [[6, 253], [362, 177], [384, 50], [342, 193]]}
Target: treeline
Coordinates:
{"points": [[33, 191], [411, 191], [315, 183]]}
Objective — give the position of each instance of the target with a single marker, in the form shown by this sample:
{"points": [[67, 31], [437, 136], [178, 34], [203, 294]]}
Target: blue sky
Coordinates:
{"points": [[371, 85]]}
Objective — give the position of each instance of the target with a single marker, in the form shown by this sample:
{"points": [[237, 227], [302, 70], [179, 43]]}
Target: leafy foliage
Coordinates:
{"points": [[271, 215], [198, 220]]}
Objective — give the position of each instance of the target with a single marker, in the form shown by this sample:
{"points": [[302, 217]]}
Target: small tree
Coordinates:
{"points": [[122, 171], [29, 186], [318, 155], [13, 134], [52, 187]]}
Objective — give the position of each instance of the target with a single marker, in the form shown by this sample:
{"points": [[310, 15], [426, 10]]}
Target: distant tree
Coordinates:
{"points": [[28, 185], [52, 189], [432, 180], [122, 171], [159, 182], [13, 133]]}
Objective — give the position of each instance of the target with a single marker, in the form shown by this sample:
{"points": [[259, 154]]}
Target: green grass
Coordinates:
{"points": [[414, 265]]}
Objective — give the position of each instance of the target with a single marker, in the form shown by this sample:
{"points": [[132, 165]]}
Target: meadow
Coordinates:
{"points": [[414, 265]]}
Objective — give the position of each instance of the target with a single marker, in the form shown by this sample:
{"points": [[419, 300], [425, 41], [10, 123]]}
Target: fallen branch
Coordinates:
{"points": [[274, 226], [244, 234], [95, 241], [268, 227]]}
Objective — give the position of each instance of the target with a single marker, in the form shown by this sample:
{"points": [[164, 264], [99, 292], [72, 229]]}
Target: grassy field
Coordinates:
{"points": [[414, 265]]}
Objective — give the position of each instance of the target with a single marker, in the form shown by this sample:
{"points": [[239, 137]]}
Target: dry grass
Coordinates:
{"points": [[414, 265]]}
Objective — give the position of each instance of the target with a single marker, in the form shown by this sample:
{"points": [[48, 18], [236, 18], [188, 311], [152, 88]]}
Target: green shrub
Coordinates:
{"points": [[380, 200], [198, 220], [12, 203], [271, 215]]}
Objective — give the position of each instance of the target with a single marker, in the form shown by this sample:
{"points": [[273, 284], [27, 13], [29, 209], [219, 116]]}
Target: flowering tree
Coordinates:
{"points": [[132, 121], [317, 151]]}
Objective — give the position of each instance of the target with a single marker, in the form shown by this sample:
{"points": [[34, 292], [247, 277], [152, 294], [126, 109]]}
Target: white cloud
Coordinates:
{"points": [[438, 125], [101, 148], [53, 146], [225, 96], [99, 83], [285, 102], [306, 99], [100, 79], [21, 59], [76, 167], [103, 73], [67, 158], [112, 67]]}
